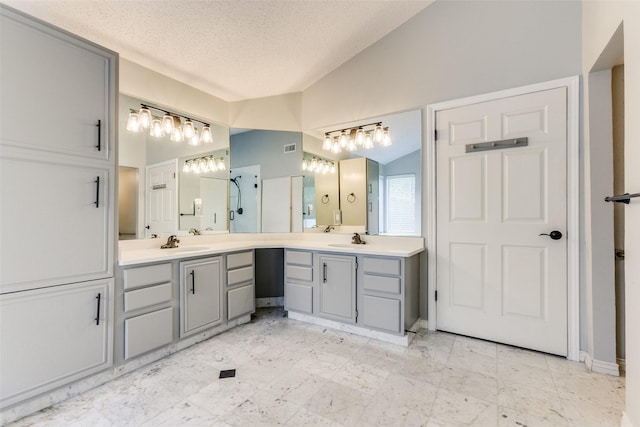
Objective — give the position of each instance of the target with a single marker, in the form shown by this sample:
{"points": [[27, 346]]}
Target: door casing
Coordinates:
{"points": [[573, 198]]}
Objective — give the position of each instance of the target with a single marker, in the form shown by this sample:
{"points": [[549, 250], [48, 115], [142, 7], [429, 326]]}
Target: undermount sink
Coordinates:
{"points": [[345, 245], [188, 249]]}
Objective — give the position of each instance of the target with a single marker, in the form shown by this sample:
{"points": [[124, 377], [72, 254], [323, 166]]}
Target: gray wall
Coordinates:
{"points": [[266, 148], [452, 49]]}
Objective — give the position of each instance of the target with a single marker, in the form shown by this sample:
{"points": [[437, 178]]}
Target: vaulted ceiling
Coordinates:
{"points": [[232, 49]]}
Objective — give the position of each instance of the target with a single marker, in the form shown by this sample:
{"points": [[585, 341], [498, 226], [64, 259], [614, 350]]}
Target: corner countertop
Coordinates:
{"points": [[133, 252]]}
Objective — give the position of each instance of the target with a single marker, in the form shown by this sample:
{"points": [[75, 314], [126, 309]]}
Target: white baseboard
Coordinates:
{"points": [[602, 367], [626, 422]]}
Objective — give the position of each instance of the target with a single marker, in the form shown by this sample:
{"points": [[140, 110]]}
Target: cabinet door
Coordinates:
{"points": [[56, 223], [241, 301], [298, 297], [337, 287], [200, 295], [54, 90], [50, 337]]}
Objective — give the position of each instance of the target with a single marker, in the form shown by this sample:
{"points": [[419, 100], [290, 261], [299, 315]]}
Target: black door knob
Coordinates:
{"points": [[555, 235]]}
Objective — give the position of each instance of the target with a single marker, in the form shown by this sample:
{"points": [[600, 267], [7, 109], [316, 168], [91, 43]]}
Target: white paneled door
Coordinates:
{"points": [[499, 277], [162, 199]]}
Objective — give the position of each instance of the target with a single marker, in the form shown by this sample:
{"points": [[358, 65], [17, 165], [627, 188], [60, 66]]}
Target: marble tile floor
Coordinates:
{"points": [[295, 374]]}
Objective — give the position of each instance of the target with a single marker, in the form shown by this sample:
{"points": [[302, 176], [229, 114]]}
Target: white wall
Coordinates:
{"points": [[281, 112], [600, 21]]}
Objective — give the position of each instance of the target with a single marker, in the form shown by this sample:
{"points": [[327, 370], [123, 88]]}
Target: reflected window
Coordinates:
{"points": [[400, 212]]}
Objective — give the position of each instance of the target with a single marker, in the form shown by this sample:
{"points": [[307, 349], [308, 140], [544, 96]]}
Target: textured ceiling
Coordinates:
{"points": [[231, 49]]}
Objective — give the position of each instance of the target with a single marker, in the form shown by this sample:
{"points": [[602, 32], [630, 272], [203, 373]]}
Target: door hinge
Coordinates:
{"points": [[356, 264], [356, 315], [436, 295], [435, 135], [174, 175]]}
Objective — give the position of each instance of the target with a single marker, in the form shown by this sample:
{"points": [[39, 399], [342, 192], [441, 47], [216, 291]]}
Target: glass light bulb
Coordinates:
{"points": [[187, 129], [328, 142], [145, 117], [221, 165], [211, 163], [368, 140], [205, 135], [352, 146], [187, 167], [333, 168], [378, 133], [133, 122], [203, 165], [194, 139], [304, 164], [344, 139], [176, 135], [167, 124], [386, 138], [156, 128], [360, 136]]}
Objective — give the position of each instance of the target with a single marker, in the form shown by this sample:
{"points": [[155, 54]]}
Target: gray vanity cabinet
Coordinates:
{"points": [[241, 299], [298, 286], [147, 306], [388, 296], [200, 295], [337, 287]]}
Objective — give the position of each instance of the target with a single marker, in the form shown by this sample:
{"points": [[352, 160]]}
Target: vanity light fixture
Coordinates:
{"points": [[351, 139], [318, 165], [204, 165], [168, 124]]}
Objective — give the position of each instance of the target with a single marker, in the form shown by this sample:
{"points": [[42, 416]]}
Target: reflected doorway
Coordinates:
{"points": [[127, 202]]}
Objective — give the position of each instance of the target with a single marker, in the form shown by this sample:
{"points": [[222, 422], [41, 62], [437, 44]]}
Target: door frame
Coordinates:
{"points": [[573, 197], [176, 221]]}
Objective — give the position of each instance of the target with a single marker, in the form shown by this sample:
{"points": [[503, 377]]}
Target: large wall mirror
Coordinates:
{"points": [[376, 190], [286, 182], [266, 181], [168, 187]]}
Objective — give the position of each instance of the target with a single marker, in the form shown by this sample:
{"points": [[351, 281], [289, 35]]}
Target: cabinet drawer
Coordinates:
{"points": [[147, 297], [147, 332], [299, 273], [239, 260], [298, 297], [390, 266], [142, 276], [299, 257], [381, 313], [240, 275], [381, 284], [241, 301]]}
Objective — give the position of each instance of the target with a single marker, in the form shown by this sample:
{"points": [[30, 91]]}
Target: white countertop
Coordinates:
{"points": [[132, 252]]}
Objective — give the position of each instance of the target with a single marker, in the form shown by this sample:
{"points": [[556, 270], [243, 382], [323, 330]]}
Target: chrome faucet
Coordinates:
{"points": [[172, 242], [194, 231], [329, 228], [356, 240]]}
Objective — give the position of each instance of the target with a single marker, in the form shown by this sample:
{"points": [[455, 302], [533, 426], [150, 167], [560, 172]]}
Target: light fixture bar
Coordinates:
{"points": [[353, 127], [164, 110]]}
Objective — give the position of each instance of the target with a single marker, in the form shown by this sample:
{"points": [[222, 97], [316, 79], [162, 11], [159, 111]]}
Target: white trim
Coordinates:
{"points": [[583, 356], [601, 367], [625, 422], [403, 340], [622, 363], [573, 197]]}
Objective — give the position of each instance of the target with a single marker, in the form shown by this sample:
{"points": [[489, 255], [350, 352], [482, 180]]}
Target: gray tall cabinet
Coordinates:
{"points": [[57, 165]]}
